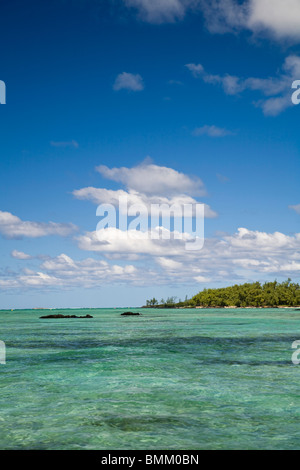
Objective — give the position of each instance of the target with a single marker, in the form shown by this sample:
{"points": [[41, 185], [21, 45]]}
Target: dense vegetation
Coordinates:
{"points": [[269, 294], [169, 302]]}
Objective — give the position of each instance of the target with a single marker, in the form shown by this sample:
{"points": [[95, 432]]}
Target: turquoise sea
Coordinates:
{"points": [[168, 380]]}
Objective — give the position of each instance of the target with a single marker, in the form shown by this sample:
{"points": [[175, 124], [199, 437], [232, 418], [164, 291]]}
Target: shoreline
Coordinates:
{"points": [[296, 307], [248, 307]]}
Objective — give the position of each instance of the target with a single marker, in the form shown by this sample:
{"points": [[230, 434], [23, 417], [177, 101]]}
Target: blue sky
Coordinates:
{"points": [[201, 88]]}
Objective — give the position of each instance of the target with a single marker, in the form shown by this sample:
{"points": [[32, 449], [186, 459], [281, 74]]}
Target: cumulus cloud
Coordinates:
{"points": [[20, 255], [243, 240], [153, 204], [128, 81], [64, 272], [276, 91], [279, 17], [244, 255], [154, 242], [267, 242], [196, 69], [151, 179], [12, 227], [276, 18], [211, 131], [89, 270], [151, 189], [224, 16]]}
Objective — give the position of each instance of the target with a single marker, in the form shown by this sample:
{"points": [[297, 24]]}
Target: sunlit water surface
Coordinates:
{"points": [[170, 379]]}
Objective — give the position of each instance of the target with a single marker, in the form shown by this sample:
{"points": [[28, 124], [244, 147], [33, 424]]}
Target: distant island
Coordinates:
{"points": [[59, 316], [255, 295]]}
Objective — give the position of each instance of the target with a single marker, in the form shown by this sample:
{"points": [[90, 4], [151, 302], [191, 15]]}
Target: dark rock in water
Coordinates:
{"points": [[65, 316], [129, 314]]}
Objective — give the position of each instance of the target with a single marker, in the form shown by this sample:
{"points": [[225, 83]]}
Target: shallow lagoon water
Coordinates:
{"points": [[170, 379]]}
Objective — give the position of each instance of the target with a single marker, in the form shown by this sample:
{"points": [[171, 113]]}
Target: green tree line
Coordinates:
{"points": [[269, 294]]}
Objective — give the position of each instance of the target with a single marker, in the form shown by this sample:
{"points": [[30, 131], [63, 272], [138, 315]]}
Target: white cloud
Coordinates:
{"points": [[211, 131], [276, 91], [20, 255], [196, 69], [254, 252], [115, 241], [231, 84], [243, 239], [89, 271], [276, 18], [295, 208], [280, 17], [64, 272], [244, 255], [12, 227], [262, 241], [148, 186], [151, 179], [223, 16], [150, 203], [128, 81], [169, 264], [160, 11], [202, 279]]}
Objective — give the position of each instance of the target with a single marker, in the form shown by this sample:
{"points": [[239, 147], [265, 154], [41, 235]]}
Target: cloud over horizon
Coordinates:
{"points": [[63, 272], [242, 256], [12, 227]]}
